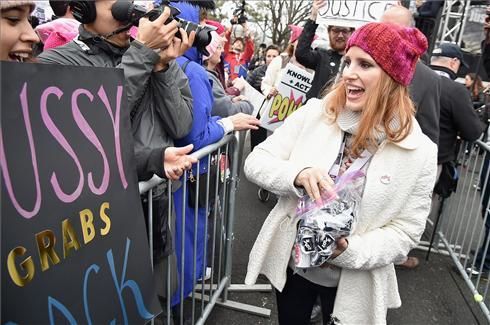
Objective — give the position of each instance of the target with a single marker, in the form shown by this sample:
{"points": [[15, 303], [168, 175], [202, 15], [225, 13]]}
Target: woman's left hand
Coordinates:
{"points": [[342, 245]]}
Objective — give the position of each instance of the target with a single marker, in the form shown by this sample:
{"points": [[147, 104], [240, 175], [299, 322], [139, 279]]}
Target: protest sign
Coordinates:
{"points": [[352, 13], [295, 83], [253, 96], [73, 241]]}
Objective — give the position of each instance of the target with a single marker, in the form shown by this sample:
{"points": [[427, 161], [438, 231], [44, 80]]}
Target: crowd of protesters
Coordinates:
{"points": [[374, 107]]}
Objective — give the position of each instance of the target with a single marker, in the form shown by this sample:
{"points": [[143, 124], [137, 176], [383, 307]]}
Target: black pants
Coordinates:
{"points": [[295, 302], [257, 137]]}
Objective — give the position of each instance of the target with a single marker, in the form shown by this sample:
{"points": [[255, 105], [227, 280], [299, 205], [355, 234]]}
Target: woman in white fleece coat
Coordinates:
{"points": [[368, 110]]}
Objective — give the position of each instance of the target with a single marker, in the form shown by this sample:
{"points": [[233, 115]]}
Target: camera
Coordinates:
{"points": [[240, 14], [127, 12]]}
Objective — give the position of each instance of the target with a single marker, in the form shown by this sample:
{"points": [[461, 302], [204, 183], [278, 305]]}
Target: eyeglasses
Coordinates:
{"points": [[338, 31]]}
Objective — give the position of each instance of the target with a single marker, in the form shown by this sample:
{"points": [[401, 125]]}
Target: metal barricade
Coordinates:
{"points": [[225, 158], [218, 222], [462, 230]]}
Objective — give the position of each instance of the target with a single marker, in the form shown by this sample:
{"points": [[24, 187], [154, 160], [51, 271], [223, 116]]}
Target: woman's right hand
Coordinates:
{"points": [[273, 92], [314, 180]]}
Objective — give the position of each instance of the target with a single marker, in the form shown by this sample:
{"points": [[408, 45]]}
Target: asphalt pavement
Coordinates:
{"points": [[433, 293]]}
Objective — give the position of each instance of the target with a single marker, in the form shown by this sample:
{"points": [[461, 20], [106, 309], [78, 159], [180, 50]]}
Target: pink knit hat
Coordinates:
{"points": [[5, 4], [220, 29], [64, 26], [295, 32], [212, 47], [396, 49], [56, 39]]}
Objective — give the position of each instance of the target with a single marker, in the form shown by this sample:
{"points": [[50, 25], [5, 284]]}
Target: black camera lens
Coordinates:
{"points": [[203, 34], [127, 12]]}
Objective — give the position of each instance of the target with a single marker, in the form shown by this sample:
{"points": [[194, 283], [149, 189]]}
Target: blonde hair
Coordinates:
{"points": [[388, 109]]}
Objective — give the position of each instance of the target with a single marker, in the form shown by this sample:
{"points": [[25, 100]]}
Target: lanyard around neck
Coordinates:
{"points": [[356, 164]]}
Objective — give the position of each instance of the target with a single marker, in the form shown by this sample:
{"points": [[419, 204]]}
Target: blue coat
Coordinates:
{"points": [[205, 130]]}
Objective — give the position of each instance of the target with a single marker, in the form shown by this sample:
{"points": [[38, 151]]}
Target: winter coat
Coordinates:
{"points": [[237, 64], [394, 208], [255, 77], [223, 105], [457, 115], [325, 63], [160, 102], [205, 130], [273, 73], [425, 91]]}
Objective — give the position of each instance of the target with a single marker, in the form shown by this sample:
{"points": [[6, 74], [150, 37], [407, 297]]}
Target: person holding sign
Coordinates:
{"points": [[326, 63], [151, 77], [364, 126], [16, 34], [157, 91], [273, 73]]}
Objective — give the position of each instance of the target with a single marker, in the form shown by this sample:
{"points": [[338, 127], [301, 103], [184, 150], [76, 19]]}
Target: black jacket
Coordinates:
{"points": [[254, 78], [160, 102], [457, 115], [325, 62], [425, 91]]}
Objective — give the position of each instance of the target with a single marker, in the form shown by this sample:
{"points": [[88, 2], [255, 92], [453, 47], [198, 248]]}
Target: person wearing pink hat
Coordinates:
{"points": [[60, 30], [16, 34], [365, 126], [325, 63], [223, 104]]}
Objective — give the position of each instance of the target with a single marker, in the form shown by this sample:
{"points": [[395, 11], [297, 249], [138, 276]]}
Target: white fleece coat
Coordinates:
{"points": [[394, 208]]}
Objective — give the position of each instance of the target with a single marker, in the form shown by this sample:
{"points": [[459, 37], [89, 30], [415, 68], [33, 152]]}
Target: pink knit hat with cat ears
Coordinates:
{"points": [[5, 4], [396, 49], [216, 41]]}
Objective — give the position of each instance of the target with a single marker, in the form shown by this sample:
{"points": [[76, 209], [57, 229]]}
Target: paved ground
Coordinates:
{"points": [[434, 293]]}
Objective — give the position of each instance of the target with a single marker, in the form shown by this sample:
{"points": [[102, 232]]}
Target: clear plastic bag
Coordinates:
{"points": [[323, 223]]}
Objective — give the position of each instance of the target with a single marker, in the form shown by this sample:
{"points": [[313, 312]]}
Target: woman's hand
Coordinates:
{"points": [[342, 245], [239, 83], [314, 180], [238, 98], [273, 92]]}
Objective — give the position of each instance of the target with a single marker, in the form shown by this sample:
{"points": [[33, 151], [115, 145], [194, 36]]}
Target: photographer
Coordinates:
{"points": [[242, 49], [152, 79], [158, 94]]}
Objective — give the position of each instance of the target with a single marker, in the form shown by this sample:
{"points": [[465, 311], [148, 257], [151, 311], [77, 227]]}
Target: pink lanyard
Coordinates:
{"points": [[356, 164]]}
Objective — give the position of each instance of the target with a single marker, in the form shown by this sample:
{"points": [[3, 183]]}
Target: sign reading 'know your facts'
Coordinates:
{"points": [[73, 240], [352, 13], [295, 83]]}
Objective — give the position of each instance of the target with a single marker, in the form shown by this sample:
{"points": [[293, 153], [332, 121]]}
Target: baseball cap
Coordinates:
{"points": [[450, 50]]}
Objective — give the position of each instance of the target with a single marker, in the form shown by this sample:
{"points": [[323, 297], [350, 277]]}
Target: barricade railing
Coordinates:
{"points": [[460, 223], [212, 236]]}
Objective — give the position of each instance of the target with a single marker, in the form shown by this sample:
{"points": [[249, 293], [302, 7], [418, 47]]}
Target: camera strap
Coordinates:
{"points": [[117, 31]]}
